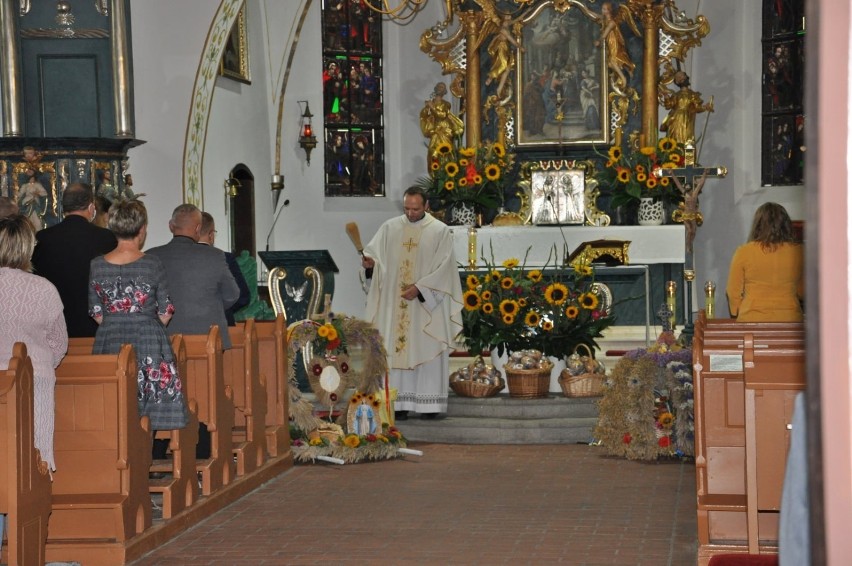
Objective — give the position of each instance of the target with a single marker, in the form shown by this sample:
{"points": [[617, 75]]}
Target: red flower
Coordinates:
{"points": [[334, 344], [333, 397], [317, 369], [371, 437], [664, 442], [344, 367], [626, 438]]}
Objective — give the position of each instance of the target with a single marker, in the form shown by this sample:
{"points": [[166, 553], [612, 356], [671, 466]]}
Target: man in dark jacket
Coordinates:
{"points": [[63, 253], [208, 237]]}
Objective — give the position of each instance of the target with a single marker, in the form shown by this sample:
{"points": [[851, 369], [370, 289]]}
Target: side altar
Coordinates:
{"points": [[656, 254]]}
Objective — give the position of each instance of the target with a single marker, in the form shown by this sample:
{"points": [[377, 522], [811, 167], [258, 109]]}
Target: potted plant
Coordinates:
{"points": [[466, 178]]}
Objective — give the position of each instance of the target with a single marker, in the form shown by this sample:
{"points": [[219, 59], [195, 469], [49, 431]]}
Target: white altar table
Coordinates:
{"points": [[648, 244]]}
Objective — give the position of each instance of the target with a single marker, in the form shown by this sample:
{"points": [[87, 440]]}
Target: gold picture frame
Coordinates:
{"points": [[235, 60], [558, 195]]}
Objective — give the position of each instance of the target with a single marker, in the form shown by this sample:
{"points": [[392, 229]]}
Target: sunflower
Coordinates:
{"points": [[452, 168], [468, 151], [532, 319], [664, 182], [464, 162], [666, 420], [666, 144], [641, 176], [499, 150], [471, 300], [332, 333], [572, 311], [434, 166], [534, 275], [352, 441], [322, 331], [487, 308], [472, 281], [495, 275], [640, 168], [584, 269], [556, 293], [492, 172], [508, 307], [462, 182], [547, 325], [522, 301], [648, 150], [443, 148], [449, 185], [615, 153], [651, 183], [486, 295], [510, 263], [507, 282], [508, 319], [477, 179], [589, 301], [623, 174]]}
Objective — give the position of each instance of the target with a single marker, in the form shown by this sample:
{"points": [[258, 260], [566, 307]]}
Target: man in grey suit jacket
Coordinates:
{"points": [[200, 282]]}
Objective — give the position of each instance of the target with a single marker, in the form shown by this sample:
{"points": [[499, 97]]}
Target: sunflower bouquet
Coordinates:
{"points": [[470, 175], [514, 308], [631, 175]]}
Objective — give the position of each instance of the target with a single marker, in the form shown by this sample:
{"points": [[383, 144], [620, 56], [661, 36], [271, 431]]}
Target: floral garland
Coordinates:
{"points": [[311, 436], [647, 410]]}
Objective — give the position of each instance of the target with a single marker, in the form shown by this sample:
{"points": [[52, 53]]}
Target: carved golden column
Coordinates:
{"points": [[120, 70], [473, 99], [9, 63], [650, 16]]}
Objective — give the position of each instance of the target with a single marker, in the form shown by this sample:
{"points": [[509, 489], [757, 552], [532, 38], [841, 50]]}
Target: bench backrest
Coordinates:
{"points": [[272, 358], [25, 490]]}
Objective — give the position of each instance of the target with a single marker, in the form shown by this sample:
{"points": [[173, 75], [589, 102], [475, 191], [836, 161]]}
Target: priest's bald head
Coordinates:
{"points": [[186, 221]]}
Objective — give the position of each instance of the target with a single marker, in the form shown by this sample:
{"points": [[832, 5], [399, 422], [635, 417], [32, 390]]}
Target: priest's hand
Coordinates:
{"points": [[410, 292], [367, 262]]}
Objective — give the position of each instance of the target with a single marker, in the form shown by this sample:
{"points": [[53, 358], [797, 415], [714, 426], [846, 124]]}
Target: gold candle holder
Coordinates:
{"points": [[710, 299], [671, 301], [471, 248]]}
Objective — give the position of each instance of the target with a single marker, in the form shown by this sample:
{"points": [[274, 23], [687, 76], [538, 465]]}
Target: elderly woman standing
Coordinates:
{"points": [[32, 314], [129, 299], [765, 282]]}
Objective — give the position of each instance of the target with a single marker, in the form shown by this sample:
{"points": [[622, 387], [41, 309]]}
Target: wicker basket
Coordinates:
{"points": [[583, 385], [586, 384], [470, 388], [529, 383]]}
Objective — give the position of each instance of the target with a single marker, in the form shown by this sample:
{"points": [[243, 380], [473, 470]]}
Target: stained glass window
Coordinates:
{"points": [[352, 99], [783, 128]]}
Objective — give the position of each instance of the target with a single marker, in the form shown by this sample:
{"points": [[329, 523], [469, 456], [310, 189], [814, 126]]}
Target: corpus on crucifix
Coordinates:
{"points": [[690, 180]]}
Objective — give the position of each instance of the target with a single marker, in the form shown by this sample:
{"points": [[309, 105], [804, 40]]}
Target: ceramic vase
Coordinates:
{"points": [[463, 214], [651, 212]]}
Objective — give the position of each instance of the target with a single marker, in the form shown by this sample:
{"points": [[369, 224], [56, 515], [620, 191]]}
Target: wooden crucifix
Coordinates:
{"points": [[690, 180]]}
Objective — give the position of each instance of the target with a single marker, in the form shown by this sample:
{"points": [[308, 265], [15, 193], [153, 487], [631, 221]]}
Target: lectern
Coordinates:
{"points": [[308, 275]]}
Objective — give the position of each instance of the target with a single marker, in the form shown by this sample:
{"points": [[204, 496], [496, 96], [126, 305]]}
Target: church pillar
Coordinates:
{"points": [[120, 70], [650, 71], [473, 96], [10, 59]]}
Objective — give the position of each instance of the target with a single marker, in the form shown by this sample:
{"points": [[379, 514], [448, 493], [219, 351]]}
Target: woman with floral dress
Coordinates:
{"points": [[129, 299]]}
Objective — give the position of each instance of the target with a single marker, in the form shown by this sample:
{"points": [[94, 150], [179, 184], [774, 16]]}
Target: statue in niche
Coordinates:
{"points": [[437, 121], [32, 199]]}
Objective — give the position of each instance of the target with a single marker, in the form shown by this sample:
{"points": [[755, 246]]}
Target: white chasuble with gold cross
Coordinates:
{"points": [[419, 253]]}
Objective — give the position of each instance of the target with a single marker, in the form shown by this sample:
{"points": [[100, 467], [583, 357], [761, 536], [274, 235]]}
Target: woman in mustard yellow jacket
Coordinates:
{"points": [[765, 282]]}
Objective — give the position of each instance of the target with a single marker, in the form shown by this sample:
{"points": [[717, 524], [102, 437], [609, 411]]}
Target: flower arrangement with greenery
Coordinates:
{"points": [[472, 175], [551, 309], [630, 175]]}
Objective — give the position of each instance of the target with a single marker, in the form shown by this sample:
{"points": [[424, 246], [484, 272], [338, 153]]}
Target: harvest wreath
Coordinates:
{"points": [[331, 374]]}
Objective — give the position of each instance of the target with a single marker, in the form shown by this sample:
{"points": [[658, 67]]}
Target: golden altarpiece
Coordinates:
{"points": [[560, 81]]}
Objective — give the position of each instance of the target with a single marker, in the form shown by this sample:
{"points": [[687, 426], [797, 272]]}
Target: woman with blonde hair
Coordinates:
{"points": [[766, 282], [32, 314]]}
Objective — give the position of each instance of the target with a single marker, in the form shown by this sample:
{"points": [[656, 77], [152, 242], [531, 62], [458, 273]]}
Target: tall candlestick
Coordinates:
{"points": [[710, 299], [671, 301], [471, 247]]}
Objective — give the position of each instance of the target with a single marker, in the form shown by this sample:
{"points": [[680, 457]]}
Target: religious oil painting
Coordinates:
{"points": [[561, 80], [235, 61], [558, 196]]}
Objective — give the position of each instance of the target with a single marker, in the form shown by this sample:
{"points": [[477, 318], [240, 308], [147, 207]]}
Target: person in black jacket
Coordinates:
{"points": [[208, 237], [63, 253]]}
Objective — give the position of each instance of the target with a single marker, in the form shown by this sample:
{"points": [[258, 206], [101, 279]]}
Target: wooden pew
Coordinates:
{"points": [[80, 346], [272, 358], [244, 378], [24, 481], [745, 385], [180, 488], [205, 382], [103, 451]]}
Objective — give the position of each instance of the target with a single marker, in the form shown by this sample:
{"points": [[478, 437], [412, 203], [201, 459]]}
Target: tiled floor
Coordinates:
{"points": [[458, 504]]}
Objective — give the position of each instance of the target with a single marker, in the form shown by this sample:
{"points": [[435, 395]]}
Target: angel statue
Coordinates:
{"points": [[437, 122], [682, 105], [501, 44], [618, 59]]}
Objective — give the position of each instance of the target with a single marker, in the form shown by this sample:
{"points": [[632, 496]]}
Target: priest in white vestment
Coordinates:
{"points": [[415, 301]]}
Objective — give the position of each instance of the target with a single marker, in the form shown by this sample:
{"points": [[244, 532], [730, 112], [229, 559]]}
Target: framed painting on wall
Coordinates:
{"points": [[235, 63], [561, 83]]}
